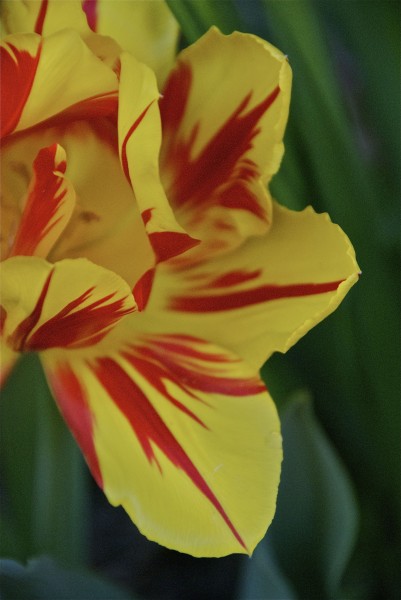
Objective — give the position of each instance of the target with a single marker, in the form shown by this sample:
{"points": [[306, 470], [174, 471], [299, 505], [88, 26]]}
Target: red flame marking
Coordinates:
{"points": [[150, 429], [240, 299], [41, 17], [76, 411]]}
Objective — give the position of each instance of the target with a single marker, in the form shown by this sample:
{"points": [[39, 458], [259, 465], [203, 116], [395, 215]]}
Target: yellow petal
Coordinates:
{"points": [[147, 30], [106, 226], [42, 16], [71, 304], [50, 16], [265, 295], [139, 132], [182, 434], [42, 78], [49, 205], [7, 359], [224, 110]]}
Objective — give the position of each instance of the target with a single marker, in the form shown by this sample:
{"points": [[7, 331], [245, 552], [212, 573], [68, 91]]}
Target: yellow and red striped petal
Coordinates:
{"points": [[43, 16], [264, 296], [147, 30], [70, 304], [106, 225], [139, 138], [8, 357], [224, 110], [49, 205], [182, 434], [49, 16], [76, 82]]}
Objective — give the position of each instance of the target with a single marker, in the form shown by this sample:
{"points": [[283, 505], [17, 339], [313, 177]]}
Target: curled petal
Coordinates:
{"points": [[147, 30], [182, 434], [224, 110], [71, 304], [76, 82], [49, 205], [266, 295], [43, 16], [139, 137]]}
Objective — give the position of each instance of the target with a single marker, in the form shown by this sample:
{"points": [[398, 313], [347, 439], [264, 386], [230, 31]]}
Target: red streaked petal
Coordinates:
{"points": [[74, 406], [8, 357], [142, 289], [43, 17], [243, 298], [91, 9], [71, 304], [178, 427], [265, 295], [198, 177], [223, 111], [139, 138], [127, 137], [151, 430], [73, 77], [18, 69], [167, 244], [49, 206]]}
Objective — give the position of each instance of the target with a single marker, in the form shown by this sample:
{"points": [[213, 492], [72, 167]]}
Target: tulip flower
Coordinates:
{"points": [[146, 262]]}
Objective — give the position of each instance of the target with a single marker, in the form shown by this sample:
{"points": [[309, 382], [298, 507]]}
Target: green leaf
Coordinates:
{"points": [[313, 532], [43, 579], [17, 459], [44, 476], [197, 16], [263, 578]]}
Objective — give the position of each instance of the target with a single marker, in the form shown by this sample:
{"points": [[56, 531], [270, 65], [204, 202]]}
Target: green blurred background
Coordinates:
{"points": [[336, 533]]}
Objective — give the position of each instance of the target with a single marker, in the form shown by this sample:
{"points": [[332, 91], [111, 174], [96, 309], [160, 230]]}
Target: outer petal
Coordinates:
{"points": [[42, 16], [147, 30], [140, 137], [182, 434], [71, 304], [49, 205], [266, 295], [76, 82], [224, 110]]}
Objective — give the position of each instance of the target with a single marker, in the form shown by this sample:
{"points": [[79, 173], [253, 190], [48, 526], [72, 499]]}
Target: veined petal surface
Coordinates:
{"points": [[72, 304], [147, 30], [139, 132], [181, 433], [224, 109], [264, 296], [49, 205], [75, 81]]}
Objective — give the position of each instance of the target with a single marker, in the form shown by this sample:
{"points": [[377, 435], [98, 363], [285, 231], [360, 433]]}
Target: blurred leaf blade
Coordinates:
{"points": [[44, 579], [44, 472], [314, 530], [17, 457], [261, 577], [357, 379], [196, 17]]}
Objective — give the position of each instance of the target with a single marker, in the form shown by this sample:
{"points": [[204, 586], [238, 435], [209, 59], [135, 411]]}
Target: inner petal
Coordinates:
{"points": [[106, 226]]}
